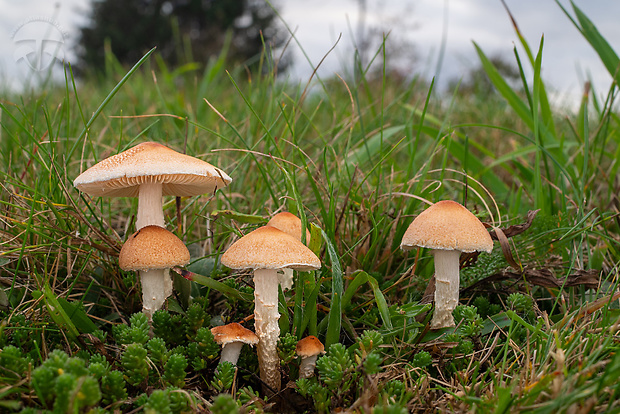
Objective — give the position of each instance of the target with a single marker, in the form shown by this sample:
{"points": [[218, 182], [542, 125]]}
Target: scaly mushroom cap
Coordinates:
{"points": [[309, 346], [121, 175], [152, 247], [233, 332], [447, 225], [269, 248], [288, 223]]}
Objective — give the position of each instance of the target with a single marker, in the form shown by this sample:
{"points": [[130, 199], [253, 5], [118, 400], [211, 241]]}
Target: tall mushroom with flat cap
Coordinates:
{"points": [[447, 228], [150, 171], [291, 225], [152, 251], [232, 337], [266, 250]]}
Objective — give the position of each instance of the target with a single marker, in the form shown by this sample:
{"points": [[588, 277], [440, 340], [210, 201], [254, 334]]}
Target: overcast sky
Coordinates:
{"points": [[417, 27]]}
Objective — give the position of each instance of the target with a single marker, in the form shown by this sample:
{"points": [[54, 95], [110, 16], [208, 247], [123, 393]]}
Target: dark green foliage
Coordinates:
{"points": [[113, 387], [368, 342], [64, 383], [389, 409], [372, 363], [286, 348], [158, 403], [224, 404], [204, 349], [174, 370], [336, 368], [422, 359], [468, 321], [135, 364], [157, 351], [133, 27], [12, 362], [223, 377], [170, 327], [195, 318], [138, 328]]}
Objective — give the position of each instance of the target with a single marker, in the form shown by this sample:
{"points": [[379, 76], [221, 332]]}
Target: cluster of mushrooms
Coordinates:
{"points": [[150, 171]]}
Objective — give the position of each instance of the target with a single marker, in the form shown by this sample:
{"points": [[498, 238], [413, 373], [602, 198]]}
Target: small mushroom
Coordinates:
{"points": [[308, 349], [232, 337], [267, 250], [152, 251], [291, 225], [150, 171], [448, 229]]}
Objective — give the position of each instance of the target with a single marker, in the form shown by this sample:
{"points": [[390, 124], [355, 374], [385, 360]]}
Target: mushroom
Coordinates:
{"points": [[308, 349], [149, 171], [267, 250], [291, 225], [448, 229], [152, 251], [232, 337]]}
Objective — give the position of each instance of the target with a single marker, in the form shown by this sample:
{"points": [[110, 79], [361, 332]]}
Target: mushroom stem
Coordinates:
{"points": [[306, 367], [446, 287], [150, 206], [153, 286], [230, 352], [151, 212], [266, 317]]}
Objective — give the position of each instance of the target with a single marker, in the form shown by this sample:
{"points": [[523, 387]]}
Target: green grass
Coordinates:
{"points": [[356, 160]]}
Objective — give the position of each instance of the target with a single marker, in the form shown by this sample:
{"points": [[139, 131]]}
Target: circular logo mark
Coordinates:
{"points": [[39, 42]]}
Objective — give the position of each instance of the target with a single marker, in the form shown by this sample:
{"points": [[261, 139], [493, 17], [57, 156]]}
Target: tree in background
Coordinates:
{"points": [[132, 27]]}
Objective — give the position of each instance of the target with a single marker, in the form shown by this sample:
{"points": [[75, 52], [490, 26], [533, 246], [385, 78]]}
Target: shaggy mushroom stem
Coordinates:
{"points": [[446, 287], [266, 317], [230, 352], [150, 205], [153, 286]]}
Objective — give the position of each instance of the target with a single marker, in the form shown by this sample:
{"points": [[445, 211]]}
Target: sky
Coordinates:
{"points": [[417, 30]]}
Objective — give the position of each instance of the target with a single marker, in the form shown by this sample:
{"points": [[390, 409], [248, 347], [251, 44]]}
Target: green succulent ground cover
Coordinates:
{"points": [[355, 158]]}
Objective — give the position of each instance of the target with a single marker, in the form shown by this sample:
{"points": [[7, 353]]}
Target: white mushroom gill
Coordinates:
{"points": [[231, 352], [153, 284], [307, 365], [446, 287], [266, 317]]}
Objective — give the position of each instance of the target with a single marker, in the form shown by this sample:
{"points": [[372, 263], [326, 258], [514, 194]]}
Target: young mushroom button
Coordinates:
{"points": [[291, 225], [447, 228], [152, 251], [267, 250], [232, 337], [308, 349]]}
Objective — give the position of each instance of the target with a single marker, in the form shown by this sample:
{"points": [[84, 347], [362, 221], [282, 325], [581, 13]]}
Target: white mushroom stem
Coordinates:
{"points": [[285, 278], [446, 287], [266, 317], [151, 212], [231, 351], [150, 206], [306, 367], [153, 286]]}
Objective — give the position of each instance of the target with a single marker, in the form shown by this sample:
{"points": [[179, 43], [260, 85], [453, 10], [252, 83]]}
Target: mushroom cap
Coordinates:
{"points": [[269, 248], [233, 332], [121, 175], [447, 225], [152, 247], [309, 346], [288, 223]]}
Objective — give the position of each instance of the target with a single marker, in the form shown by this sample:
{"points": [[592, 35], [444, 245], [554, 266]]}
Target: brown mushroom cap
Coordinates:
{"points": [[309, 346], [152, 247], [269, 248], [447, 225], [233, 332], [288, 223], [121, 175]]}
